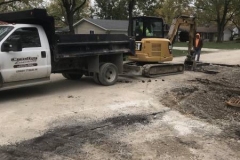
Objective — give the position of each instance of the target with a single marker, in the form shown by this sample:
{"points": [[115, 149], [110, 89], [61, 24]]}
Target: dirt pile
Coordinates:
{"points": [[206, 98]]}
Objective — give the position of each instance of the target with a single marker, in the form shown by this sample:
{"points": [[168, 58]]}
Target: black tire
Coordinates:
{"points": [[71, 76], [96, 75], [108, 74]]}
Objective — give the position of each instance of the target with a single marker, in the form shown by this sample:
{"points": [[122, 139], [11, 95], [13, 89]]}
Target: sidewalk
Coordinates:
{"points": [[231, 57], [203, 49]]}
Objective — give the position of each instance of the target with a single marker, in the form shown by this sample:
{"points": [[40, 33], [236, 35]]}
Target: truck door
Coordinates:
{"points": [[30, 63]]}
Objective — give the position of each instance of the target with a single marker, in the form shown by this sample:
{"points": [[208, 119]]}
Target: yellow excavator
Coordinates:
{"points": [[153, 48]]}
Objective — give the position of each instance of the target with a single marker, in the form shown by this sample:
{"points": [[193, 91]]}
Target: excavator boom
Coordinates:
{"points": [[186, 21]]}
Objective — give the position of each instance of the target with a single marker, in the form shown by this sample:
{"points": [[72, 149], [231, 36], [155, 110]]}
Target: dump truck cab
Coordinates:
{"points": [[25, 53]]}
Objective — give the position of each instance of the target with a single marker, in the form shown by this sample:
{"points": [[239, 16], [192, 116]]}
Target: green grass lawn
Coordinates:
{"points": [[223, 45]]}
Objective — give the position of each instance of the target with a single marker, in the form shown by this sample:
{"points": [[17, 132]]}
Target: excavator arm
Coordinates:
{"points": [[186, 21]]}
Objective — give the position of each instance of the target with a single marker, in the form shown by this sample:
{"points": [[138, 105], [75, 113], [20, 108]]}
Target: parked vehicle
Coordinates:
{"points": [[31, 51]]}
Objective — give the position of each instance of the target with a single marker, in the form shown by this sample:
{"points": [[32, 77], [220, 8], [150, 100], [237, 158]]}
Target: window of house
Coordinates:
{"points": [[91, 31], [29, 37]]}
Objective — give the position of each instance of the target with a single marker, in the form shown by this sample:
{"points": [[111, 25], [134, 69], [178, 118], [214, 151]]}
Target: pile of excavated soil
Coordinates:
{"points": [[206, 98]]}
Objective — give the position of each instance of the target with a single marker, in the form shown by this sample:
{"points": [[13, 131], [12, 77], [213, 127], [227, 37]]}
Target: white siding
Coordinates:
{"points": [[119, 32], [85, 28], [226, 35]]}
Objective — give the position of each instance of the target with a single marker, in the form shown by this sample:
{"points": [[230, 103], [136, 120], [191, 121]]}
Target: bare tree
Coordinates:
{"points": [[71, 7], [220, 12], [10, 1], [131, 4]]}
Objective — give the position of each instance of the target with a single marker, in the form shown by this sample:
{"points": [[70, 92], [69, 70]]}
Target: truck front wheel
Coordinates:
{"points": [[108, 74], [72, 76]]}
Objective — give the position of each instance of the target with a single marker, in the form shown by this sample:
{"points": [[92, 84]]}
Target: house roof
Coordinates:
{"points": [[210, 29], [120, 25]]}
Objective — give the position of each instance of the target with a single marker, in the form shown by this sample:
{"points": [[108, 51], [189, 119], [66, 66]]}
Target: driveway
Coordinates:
{"points": [[230, 57]]}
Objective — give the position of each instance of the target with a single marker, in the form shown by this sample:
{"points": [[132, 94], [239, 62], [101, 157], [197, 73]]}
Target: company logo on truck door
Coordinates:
{"points": [[24, 62]]}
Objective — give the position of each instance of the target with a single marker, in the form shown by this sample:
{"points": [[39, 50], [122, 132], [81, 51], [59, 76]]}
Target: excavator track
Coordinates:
{"points": [[153, 70]]}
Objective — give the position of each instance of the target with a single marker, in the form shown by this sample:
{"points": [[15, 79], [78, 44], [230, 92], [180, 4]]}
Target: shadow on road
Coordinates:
{"points": [[56, 86]]}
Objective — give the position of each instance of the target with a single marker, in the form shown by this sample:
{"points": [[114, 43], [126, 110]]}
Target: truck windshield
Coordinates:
{"points": [[4, 30]]}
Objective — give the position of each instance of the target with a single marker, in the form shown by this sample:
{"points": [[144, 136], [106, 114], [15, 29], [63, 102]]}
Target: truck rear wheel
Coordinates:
{"points": [[108, 74], [72, 76]]}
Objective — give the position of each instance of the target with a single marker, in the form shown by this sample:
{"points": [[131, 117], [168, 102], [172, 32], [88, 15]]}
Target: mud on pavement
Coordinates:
{"points": [[67, 142], [161, 135], [71, 142]]}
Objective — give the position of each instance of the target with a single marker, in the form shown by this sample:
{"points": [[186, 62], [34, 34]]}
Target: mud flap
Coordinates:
{"points": [[132, 68]]}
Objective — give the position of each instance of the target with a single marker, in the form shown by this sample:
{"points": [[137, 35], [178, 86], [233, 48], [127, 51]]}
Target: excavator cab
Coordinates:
{"points": [[147, 27], [151, 46]]}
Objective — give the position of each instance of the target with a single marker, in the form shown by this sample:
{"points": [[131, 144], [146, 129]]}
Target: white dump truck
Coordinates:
{"points": [[31, 51]]}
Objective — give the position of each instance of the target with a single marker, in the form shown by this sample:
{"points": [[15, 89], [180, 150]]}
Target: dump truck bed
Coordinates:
{"points": [[72, 45], [81, 45]]}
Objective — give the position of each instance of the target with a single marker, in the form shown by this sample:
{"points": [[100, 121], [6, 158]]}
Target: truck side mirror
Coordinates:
{"points": [[14, 44]]}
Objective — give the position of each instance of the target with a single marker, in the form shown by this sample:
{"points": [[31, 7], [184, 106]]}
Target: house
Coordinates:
{"points": [[106, 26], [101, 26], [235, 31], [208, 33], [227, 33]]}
